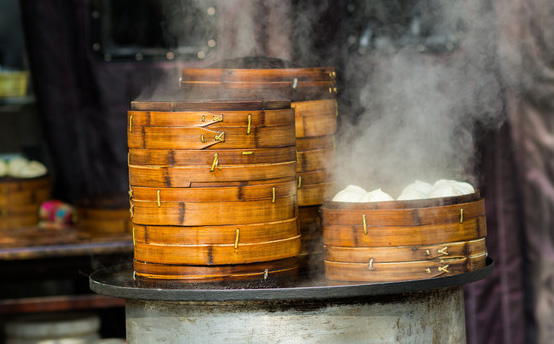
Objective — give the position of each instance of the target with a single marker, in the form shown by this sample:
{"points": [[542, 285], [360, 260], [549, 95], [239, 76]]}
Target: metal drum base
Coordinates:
{"points": [[435, 316]]}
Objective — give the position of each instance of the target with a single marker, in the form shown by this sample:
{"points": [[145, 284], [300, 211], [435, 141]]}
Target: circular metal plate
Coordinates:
{"points": [[120, 283]]}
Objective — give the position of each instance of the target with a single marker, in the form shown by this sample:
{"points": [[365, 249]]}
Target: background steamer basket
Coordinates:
{"points": [[20, 200], [403, 240]]}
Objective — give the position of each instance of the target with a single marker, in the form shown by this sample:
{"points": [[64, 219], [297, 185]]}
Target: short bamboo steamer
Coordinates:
{"points": [[20, 200], [403, 240], [213, 194], [103, 215]]}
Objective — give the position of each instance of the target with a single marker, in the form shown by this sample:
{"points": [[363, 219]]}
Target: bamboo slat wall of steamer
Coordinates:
{"points": [[213, 190]]}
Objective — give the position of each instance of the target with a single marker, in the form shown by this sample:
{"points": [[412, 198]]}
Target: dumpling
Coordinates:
{"points": [[376, 195], [351, 193]]}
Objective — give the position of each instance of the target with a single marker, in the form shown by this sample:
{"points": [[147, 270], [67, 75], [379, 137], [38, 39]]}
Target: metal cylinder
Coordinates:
{"points": [[431, 316]]}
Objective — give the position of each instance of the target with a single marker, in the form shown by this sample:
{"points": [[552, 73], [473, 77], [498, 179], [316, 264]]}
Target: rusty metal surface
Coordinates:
{"points": [[120, 283], [435, 317]]}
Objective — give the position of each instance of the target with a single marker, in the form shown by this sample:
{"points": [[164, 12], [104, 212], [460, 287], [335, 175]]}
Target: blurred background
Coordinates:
{"points": [[69, 70]]}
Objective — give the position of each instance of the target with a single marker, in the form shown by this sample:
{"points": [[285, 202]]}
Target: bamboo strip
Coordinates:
{"points": [[216, 235], [245, 253], [381, 235], [182, 176], [405, 253], [213, 213], [405, 271]]}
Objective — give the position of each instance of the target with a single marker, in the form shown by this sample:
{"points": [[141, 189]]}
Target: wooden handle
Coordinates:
{"points": [[214, 273], [224, 156], [242, 253], [312, 143], [312, 194], [213, 213], [404, 271], [268, 191], [211, 119], [377, 235], [203, 105], [257, 75], [182, 176], [216, 235], [203, 138], [405, 217], [405, 253]]}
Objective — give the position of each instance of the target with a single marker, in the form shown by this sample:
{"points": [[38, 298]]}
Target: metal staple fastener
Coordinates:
{"points": [[214, 163], [266, 274], [247, 153], [371, 264], [461, 215], [294, 83], [444, 269], [202, 138], [218, 118], [299, 181], [443, 251], [428, 270], [130, 123], [237, 238], [133, 235], [220, 137], [130, 192], [428, 252], [203, 119], [132, 210], [365, 224], [249, 124], [159, 199], [273, 197]]}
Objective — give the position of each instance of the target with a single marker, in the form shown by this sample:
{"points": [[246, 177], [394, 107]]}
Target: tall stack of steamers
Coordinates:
{"points": [[229, 188]]}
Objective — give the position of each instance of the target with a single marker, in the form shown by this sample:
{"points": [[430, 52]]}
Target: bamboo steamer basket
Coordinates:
{"points": [[403, 240], [20, 200], [101, 215], [213, 194]]}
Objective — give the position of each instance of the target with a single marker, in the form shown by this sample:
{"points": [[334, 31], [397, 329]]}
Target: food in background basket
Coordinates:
{"points": [[22, 168]]}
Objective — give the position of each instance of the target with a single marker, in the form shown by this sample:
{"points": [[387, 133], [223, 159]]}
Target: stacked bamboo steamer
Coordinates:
{"points": [[404, 240], [20, 200], [312, 92], [213, 191]]}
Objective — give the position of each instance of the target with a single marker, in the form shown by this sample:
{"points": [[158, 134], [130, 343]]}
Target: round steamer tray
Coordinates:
{"points": [[119, 282]]}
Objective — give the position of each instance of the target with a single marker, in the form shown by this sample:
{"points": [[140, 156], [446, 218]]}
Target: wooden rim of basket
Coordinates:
{"points": [[310, 195], [312, 143], [257, 75], [216, 235], [24, 197], [405, 253], [317, 107], [212, 213], [178, 157], [212, 119], [315, 126], [455, 213], [182, 176], [236, 253], [313, 160], [204, 138], [377, 236], [207, 194], [213, 105], [403, 271], [10, 184], [188, 272]]}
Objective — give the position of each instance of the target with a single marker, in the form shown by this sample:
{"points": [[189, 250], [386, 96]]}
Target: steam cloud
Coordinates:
{"points": [[418, 109]]}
